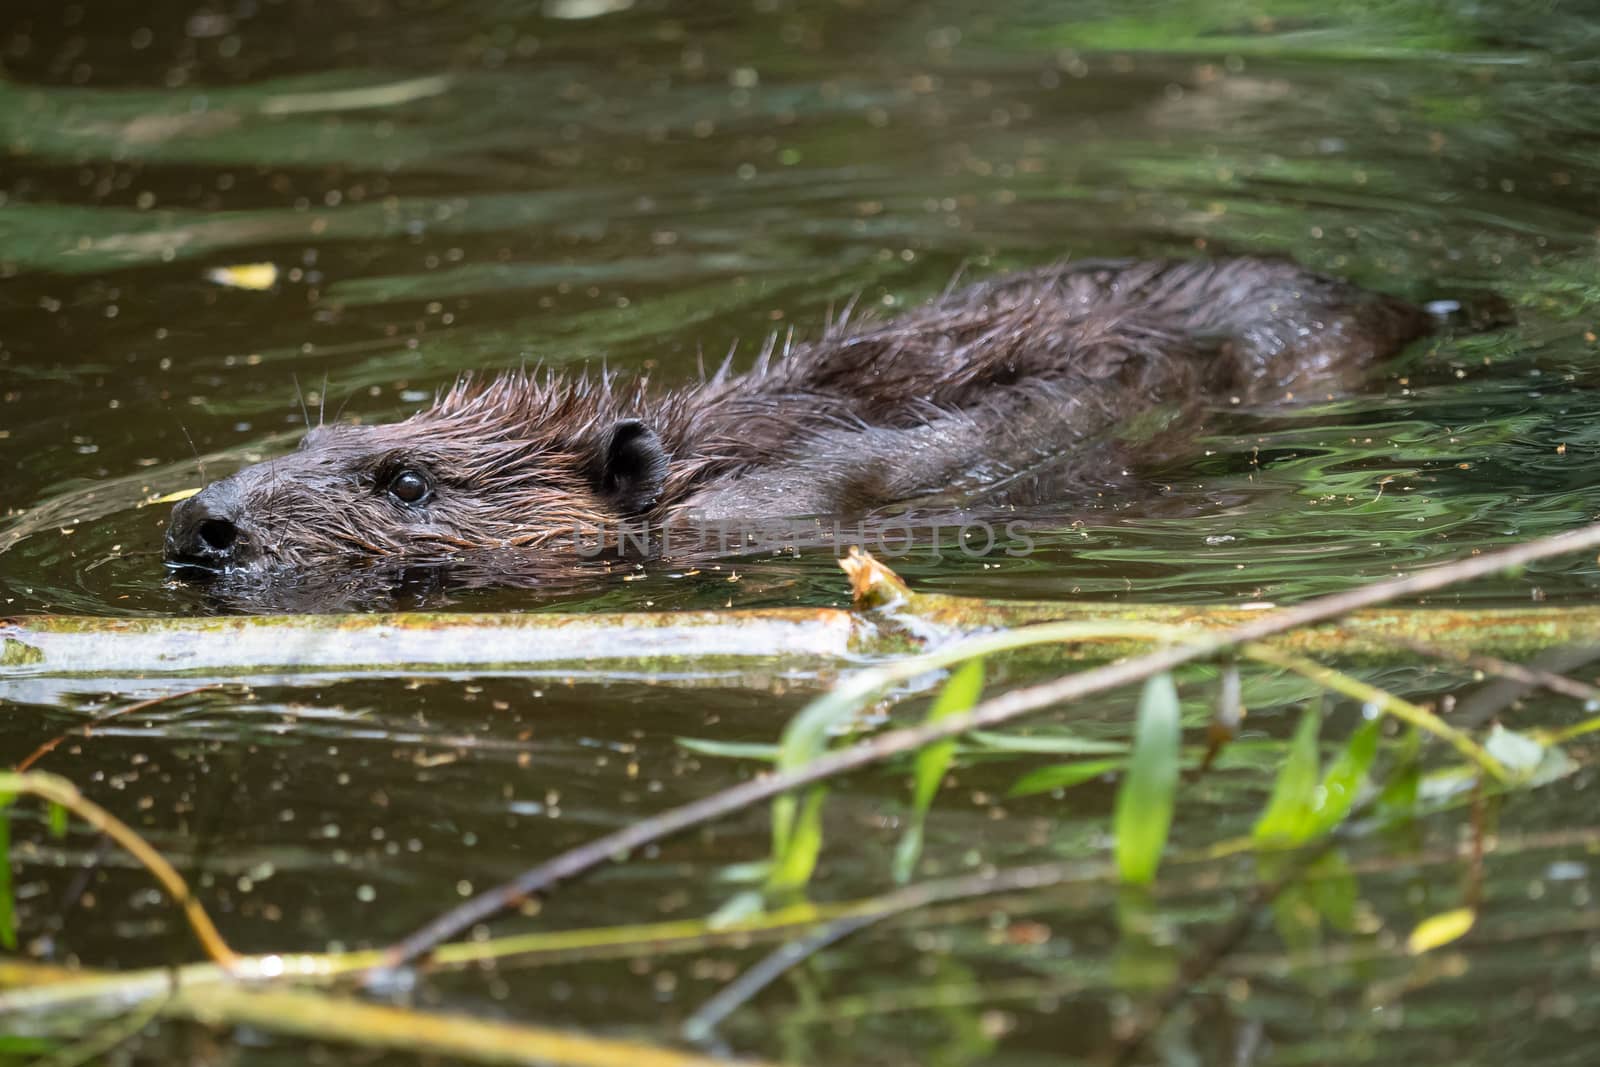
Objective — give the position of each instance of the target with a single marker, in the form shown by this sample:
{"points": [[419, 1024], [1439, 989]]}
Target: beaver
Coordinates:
{"points": [[1013, 384]]}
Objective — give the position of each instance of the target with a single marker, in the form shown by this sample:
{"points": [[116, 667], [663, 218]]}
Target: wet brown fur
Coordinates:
{"points": [[985, 386]]}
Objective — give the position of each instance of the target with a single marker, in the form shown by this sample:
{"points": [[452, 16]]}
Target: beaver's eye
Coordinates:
{"points": [[409, 487]]}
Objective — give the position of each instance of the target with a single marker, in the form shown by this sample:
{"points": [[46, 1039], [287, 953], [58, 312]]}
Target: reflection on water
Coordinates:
{"points": [[445, 187]]}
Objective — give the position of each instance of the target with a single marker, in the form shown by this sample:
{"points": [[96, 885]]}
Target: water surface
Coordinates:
{"points": [[443, 187]]}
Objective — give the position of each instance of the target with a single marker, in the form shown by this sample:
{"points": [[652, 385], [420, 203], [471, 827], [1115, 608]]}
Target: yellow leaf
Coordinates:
{"points": [[173, 498], [253, 276], [1440, 929]]}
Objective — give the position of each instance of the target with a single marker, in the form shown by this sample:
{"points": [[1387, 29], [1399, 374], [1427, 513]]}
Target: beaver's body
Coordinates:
{"points": [[1014, 381]]}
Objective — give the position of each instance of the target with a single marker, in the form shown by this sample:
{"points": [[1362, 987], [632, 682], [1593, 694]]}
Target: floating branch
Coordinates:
{"points": [[887, 619]]}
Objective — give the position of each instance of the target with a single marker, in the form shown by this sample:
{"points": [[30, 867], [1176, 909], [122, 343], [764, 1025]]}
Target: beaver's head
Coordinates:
{"points": [[516, 463]]}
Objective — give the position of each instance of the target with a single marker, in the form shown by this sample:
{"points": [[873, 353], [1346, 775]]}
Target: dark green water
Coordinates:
{"points": [[450, 186]]}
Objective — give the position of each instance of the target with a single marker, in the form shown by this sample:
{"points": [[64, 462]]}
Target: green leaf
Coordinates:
{"points": [[959, 694], [792, 868], [1052, 744], [8, 906], [1341, 785], [804, 739], [57, 816], [21, 1045], [1288, 818], [760, 750], [1064, 776], [908, 851], [1145, 800], [1399, 796]]}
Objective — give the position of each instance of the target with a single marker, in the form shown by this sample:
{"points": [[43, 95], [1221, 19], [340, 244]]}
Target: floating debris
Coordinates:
{"points": [[584, 9], [253, 276], [361, 98]]}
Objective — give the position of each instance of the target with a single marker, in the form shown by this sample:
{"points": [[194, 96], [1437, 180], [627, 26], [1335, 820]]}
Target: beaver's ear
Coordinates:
{"points": [[632, 466]]}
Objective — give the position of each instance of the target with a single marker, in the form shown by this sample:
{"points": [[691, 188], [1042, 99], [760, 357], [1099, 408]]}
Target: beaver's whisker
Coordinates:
{"points": [[348, 396], [300, 395], [198, 462]]}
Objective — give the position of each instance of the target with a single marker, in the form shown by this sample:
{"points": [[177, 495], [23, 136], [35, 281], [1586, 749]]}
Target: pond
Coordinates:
{"points": [[218, 220]]}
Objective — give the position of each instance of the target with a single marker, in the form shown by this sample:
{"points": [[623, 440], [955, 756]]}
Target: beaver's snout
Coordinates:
{"points": [[207, 530]]}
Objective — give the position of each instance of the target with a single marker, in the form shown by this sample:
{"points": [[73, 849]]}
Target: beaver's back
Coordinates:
{"points": [[1003, 377]]}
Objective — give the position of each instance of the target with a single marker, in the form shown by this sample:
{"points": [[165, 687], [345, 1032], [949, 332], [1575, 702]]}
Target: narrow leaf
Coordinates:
{"points": [[793, 867], [908, 851], [760, 750], [1399, 796], [1064, 776], [805, 739], [1288, 818], [959, 694], [18, 1045], [1145, 800], [1052, 744], [1342, 784], [8, 907]]}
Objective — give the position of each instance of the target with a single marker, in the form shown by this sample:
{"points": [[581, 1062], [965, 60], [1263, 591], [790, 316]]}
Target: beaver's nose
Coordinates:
{"points": [[205, 529]]}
